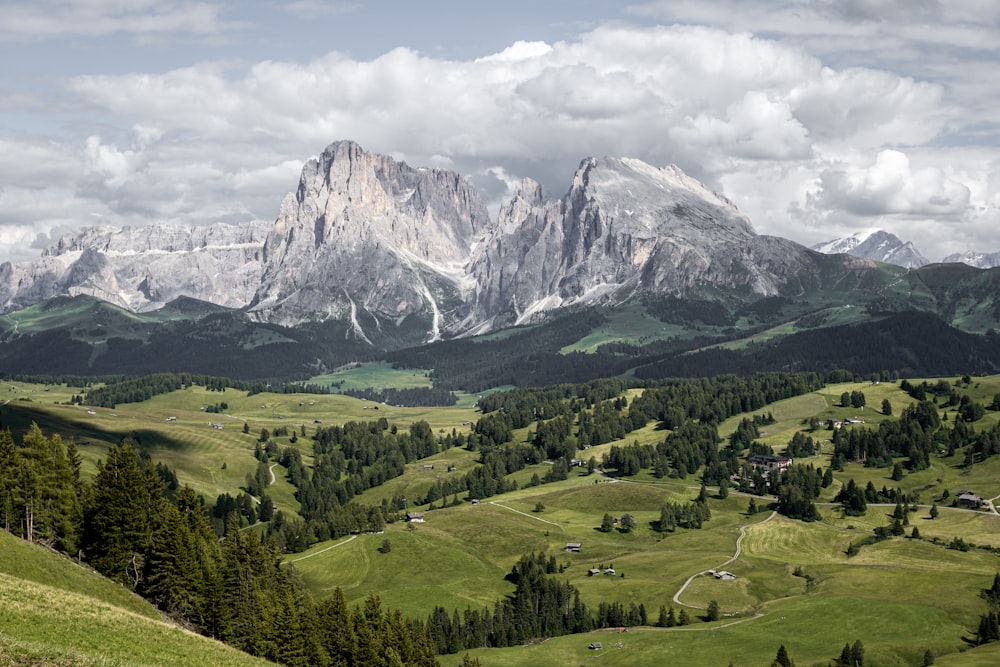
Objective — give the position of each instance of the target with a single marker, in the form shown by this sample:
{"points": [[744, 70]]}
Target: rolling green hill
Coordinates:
{"points": [[795, 583]]}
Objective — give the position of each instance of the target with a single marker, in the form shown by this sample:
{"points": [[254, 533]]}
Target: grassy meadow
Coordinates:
{"points": [[794, 585]]}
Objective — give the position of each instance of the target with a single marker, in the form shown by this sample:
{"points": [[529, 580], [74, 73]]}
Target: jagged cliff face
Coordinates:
{"points": [[411, 254], [370, 239], [624, 227], [143, 268]]}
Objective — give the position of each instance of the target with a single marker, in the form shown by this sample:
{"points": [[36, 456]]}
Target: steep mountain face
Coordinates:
{"points": [[370, 240], [405, 255], [877, 244], [624, 228], [980, 260], [143, 268]]}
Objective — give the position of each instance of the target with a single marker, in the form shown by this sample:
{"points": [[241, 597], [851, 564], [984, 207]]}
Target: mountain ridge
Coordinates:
{"points": [[876, 244], [385, 247]]}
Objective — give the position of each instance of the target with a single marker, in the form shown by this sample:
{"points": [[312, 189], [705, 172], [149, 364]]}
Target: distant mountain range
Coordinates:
{"points": [[369, 254], [876, 244], [884, 246], [980, 260]]}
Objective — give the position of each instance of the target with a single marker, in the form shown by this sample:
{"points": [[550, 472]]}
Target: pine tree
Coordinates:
{"points": [[858, 654], [336, 628], [212, 611], [8, 482], [117, 520], [172, 577], [782, 659]]}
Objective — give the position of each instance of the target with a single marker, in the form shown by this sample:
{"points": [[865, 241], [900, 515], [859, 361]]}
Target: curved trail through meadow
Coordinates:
{"points": [[332, 546], [739, 550], [536, 518]]}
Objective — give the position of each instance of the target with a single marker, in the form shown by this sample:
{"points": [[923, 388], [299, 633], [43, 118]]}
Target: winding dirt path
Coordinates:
{"points": [[536, 518], [332, 546], [739, 550]]}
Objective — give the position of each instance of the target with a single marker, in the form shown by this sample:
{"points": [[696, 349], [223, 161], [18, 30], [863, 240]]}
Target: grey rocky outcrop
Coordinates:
{"points": [[143, 268]]}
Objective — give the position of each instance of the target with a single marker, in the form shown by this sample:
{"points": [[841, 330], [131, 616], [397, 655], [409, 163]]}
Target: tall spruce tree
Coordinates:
{"points": [[117, 527]]}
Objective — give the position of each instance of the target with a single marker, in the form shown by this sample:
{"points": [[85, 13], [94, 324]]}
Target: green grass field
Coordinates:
{"points": [[379, 375], [794, 581]]}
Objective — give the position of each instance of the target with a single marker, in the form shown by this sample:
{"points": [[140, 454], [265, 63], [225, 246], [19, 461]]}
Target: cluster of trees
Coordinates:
{"points": [[540, 606], [685, 515], [854, 399], [410, 396], [126, 527], [911, 436], [917, 433], [798, 487], [989, 623], [135, 390]]}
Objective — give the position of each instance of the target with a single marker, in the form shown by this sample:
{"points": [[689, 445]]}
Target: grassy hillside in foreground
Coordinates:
{"points": [[55, 612]]}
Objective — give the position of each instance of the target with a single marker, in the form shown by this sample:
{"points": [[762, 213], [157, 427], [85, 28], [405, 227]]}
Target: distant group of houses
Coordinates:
{"points": [[594, 571], [722, 575]]}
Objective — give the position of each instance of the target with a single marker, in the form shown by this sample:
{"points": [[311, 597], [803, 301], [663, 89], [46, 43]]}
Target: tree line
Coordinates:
{"points": [[235, 589]]}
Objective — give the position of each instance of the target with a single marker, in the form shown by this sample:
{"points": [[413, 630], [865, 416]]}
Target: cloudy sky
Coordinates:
{"points": [[818, 119]]}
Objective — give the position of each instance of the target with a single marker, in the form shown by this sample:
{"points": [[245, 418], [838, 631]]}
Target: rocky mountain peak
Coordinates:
{"points": [[877, 244], [624, 226], [980, 260], [369, 238]]}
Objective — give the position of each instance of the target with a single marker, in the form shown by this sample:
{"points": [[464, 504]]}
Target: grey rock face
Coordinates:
{"points": [[623, 227], [143, 268], [877, 244], [980, 260], [390, 248], [370, 239]]}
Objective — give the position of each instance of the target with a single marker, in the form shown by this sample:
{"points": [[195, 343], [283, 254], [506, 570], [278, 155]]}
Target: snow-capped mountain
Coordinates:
{"points": [[877, 244], [980, 260]]}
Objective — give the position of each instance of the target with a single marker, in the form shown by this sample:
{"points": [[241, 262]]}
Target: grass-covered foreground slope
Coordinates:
{"points": [[54, 612]]}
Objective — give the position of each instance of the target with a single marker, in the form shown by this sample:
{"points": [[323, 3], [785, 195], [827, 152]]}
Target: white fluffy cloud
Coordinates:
{"points": [[891, 186], [801, 145]]}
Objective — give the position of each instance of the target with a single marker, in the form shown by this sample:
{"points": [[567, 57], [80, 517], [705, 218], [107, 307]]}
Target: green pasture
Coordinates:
{"points": [[374, 375], [630, 324], [813, 631], [794, 582], [211, 460]]}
